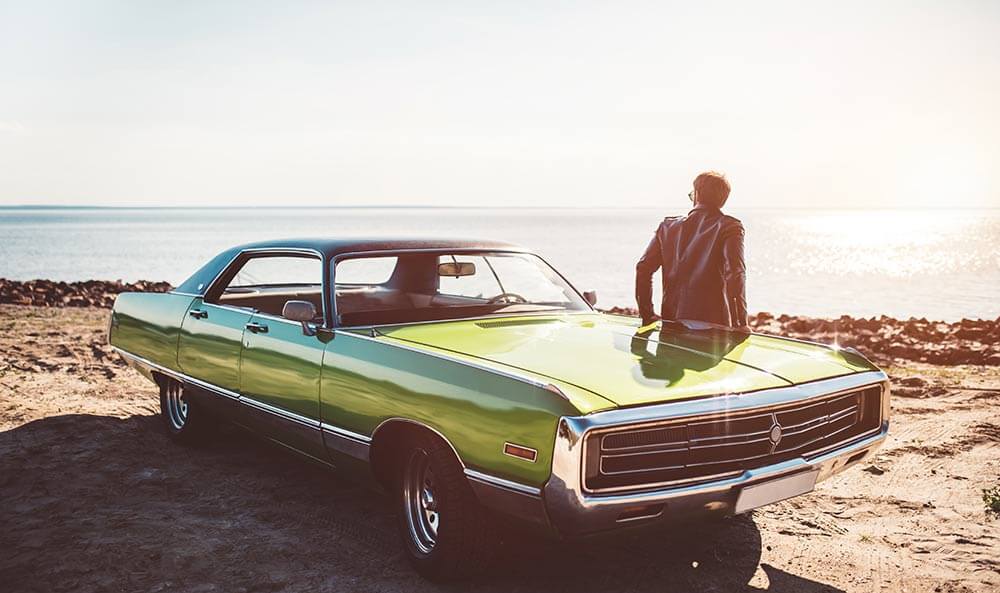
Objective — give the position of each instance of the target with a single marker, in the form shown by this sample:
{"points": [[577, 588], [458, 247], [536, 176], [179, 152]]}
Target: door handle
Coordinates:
{"points": [[198, 313], [257, 328]]}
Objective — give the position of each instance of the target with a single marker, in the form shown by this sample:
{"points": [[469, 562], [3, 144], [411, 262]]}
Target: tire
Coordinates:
{"points": [[185, 422], [446, 532]]}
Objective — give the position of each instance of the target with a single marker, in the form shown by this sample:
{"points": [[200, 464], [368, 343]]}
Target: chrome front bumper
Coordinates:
{"points": [[572, 511]]}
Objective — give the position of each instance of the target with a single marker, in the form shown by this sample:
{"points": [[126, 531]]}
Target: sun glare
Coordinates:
{"points": [[944, 176], [880, 240]]}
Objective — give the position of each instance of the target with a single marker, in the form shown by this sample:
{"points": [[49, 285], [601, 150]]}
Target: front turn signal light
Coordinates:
{"points": [[526, 453]]}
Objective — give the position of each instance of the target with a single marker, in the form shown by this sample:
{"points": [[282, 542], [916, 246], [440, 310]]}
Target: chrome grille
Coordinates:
{"points": [[694, 449]]}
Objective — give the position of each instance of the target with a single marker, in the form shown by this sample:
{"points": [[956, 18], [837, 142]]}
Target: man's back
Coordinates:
{"points": [[703, 271]]}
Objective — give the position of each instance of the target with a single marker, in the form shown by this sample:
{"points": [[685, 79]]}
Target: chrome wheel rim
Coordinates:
{"points": [[421, 502], [177, 407]]}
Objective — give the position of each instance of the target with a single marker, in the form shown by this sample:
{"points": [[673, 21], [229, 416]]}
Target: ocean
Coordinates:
{"points": [[937, 264]]}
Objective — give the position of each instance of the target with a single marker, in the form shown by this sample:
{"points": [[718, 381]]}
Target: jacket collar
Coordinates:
{"points": [[705, 208]]}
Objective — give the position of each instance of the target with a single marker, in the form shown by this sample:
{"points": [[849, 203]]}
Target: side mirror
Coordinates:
{"points": [[590, 296], [303, 312], [456, 269]]}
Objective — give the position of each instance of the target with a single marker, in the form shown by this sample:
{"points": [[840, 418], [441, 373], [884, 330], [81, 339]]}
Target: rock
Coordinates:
{"points": [[971, 333]]}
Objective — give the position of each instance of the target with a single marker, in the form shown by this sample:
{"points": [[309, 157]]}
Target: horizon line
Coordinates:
{"points": [[447, 207]]}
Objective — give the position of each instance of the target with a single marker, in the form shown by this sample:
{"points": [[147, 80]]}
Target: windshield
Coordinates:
{"points": [[416, 287]]}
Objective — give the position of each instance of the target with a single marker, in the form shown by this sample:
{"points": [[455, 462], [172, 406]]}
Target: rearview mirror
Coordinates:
{"points": [[303, 312], [457, 269], [590, 296]]}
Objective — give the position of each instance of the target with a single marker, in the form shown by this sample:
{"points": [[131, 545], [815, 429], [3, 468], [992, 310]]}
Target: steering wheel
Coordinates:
{"points": [[507, 297]]}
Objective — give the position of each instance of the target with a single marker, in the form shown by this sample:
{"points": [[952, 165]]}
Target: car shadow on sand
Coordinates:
{"points": [[100, 503]]}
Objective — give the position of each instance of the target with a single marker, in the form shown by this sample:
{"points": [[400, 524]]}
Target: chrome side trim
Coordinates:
{"points": [[134, 358], [557, 391], [472, 474], [344, 441], [280, 412], [502, 483], [422, 425], [348, 442], [344, 433], [359, 439]]}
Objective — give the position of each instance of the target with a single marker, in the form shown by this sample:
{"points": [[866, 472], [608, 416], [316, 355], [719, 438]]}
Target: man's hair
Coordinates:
{"points": [[712, 188]]}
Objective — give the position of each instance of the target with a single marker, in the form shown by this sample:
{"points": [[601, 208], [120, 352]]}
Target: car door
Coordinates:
{"points": [[280, 364], [209, 346]]}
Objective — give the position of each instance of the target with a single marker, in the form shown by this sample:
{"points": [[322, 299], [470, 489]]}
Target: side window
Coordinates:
{"points": [[278, 271], [265, 283]]}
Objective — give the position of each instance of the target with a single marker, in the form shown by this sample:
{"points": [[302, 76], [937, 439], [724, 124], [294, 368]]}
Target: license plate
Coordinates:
{"points": [[775, 490]]}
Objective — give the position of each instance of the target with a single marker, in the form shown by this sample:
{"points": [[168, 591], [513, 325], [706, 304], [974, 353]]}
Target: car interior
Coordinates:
{"points": [[272, 299]]}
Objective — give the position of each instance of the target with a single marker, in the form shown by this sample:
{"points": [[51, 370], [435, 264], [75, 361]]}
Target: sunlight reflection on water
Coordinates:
{"points": [[898, 244]]}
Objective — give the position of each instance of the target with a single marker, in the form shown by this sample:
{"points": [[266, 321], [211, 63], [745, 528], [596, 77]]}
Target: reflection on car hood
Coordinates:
{"points": [[605, 355]]}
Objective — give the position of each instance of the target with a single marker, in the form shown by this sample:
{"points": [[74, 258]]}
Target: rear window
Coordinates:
{"points": [[365, 270]]}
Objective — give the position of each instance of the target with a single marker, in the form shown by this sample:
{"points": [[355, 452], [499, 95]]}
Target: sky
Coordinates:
{"points": [[586, 104]]}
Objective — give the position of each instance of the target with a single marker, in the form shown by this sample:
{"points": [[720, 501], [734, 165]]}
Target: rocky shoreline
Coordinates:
{"points": [[969, 341], [884, 339], [90, 293]]}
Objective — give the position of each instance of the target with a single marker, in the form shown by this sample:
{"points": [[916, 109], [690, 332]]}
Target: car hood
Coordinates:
{"points": [[606, 355]]}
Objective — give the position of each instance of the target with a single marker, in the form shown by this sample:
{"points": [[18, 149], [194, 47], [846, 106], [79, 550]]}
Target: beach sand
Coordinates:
{"points": [[95, 497]]}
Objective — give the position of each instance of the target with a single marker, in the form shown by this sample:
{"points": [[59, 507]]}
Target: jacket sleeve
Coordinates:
{"points": [[736, 274], [647, 265]]}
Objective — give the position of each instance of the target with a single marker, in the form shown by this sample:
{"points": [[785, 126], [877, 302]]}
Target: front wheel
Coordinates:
{"points": [[185, 422], [447, 533]]}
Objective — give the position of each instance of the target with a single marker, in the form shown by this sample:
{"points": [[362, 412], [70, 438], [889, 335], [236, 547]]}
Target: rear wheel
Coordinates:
{"points": [[185, 421], [447, 533]]}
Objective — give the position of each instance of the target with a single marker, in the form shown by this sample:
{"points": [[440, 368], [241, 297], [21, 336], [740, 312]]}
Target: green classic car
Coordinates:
{"points": [[474, 383]]}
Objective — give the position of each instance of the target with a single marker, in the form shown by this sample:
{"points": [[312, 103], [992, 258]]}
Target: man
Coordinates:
{"points": [[701, 256]]}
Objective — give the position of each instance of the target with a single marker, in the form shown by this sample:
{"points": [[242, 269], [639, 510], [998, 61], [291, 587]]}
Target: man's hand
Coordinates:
{"points": [[647, 321]]}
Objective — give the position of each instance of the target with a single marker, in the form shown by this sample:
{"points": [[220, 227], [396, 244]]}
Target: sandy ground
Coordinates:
{"points": [[95, 498]]}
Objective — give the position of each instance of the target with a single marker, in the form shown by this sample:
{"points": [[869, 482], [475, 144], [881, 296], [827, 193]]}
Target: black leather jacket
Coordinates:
{"points": [[704, 275]]}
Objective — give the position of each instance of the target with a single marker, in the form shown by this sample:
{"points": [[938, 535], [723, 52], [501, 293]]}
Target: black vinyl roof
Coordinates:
{"points": [[331, 248], [334, 247]]}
